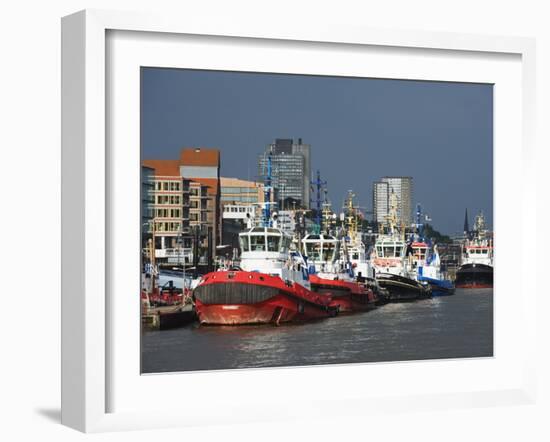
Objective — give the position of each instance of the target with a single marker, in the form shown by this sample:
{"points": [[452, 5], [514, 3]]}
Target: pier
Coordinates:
{"points": [[167, 317]]}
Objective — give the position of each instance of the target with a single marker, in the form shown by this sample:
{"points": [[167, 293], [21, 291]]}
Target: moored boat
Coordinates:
{"points": [[333, 272], [427, 268], [476, 270], [348, 295], [388, 259], [401, 288], [474, 276], [237, 297]]}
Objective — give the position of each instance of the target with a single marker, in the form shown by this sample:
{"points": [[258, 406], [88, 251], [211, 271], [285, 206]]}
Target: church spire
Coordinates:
{"points": [[466, 225]]}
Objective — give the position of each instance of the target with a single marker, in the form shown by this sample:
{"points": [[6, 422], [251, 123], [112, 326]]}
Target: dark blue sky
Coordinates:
{"points": [[359, 129]]}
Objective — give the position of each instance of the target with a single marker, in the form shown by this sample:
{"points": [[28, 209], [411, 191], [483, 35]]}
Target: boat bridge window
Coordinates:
{"points": [[478, 251], [389, 251], [257, 243], [273, 243], [243, 240], [313, 251], [328, 252]]}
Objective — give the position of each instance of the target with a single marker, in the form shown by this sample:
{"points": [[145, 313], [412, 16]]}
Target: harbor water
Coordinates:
{"points": [[447, 327]]}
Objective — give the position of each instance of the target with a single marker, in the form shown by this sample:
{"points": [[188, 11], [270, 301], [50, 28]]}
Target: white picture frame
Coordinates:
{"points": [[87, 353]]}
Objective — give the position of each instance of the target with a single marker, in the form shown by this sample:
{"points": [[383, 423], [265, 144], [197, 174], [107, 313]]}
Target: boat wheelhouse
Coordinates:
{"points": [[388, 255], [478, 253], [321, 251], [264, 249]]}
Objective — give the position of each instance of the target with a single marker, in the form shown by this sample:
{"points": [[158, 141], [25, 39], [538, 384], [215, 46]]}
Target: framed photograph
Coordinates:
{"points": [[271, 220]]}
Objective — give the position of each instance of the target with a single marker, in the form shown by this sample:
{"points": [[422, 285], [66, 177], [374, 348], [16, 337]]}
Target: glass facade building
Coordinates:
{"points": [[290, 171]]}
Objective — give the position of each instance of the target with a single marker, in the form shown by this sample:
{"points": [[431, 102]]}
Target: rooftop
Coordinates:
{"points": [[200, 156]]}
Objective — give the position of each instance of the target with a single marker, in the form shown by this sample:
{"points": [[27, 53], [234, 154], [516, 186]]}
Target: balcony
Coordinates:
{"points": [[177, 253]]}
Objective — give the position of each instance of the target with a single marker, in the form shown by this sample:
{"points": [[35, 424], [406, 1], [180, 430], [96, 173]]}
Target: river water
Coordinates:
{"points": [[447, 327]]}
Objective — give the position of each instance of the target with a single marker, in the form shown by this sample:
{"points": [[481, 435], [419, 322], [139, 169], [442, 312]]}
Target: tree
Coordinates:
{"points": [[434, 235]]}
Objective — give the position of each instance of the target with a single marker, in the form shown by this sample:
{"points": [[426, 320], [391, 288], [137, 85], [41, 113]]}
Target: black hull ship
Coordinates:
{"points": [[400, 288], [472, 276], [477, 258]]}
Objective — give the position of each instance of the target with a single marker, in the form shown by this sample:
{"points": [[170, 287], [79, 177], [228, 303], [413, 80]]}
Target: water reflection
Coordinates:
{"points": [[447, 327]]}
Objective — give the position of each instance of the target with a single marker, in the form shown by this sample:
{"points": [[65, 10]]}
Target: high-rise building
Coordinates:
{"points": [[290, 171], [402, 187], [380, 201]]}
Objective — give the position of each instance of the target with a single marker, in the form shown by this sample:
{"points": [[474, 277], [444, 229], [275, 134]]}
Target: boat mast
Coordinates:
{"points": [[351, 218], [318, 214], [327, 214], [266, 215], [392, 214]]}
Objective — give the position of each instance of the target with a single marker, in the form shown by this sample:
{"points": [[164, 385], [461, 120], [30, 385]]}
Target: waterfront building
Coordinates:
{"points": [[237, 191], [402, 187], [169, 224], [147, 199], [186, 205], [203, 166], [291, 171]]}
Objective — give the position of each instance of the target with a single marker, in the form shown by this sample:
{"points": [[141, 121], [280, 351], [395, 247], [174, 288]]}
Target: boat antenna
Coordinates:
{"points": [[419, 223]]}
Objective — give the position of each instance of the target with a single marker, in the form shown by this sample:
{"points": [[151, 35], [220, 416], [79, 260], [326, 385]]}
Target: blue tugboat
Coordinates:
{"points": [[424, 262]]}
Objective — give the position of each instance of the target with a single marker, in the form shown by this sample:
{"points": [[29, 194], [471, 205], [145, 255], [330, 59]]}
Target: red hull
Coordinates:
{"points": [[238, 298], [349, 296]]}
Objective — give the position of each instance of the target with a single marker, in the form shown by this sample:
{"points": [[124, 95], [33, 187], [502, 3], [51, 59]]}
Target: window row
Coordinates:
{"points": [[168, 186], [168, 213], [169, 199], [231, 190], [167, 227], [263, 243]]}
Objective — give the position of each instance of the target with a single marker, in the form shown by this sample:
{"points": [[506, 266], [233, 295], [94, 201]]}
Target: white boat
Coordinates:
{"points": [[390, 265], [476, 270]]}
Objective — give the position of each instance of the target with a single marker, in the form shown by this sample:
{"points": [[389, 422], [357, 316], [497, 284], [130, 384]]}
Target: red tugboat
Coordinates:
{"points": [[270, 286], [348, 295], [278, 294], [337, 261]]}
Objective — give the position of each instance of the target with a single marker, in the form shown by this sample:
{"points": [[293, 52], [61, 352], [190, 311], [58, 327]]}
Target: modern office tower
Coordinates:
{"points": [[402, 187], [290, 171], [380, 201]]}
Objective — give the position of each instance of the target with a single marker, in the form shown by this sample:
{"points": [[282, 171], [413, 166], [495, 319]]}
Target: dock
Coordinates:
{"points": [[167, 317]]}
